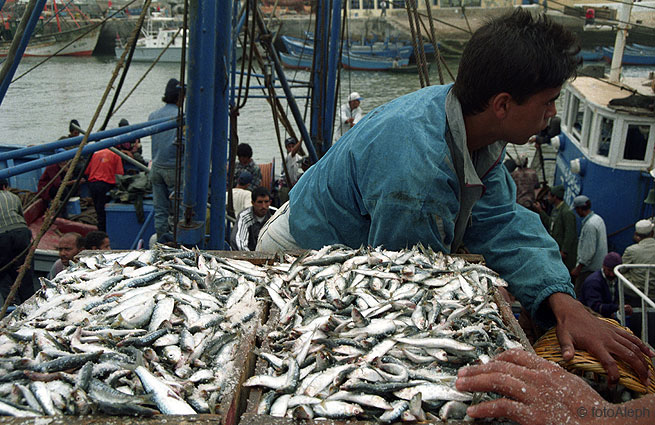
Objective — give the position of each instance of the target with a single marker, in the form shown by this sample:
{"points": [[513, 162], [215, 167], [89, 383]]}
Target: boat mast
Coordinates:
{"points": [[619, 45]]}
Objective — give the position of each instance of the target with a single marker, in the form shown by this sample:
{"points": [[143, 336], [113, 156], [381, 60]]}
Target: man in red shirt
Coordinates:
{"points": [[101, 172]]}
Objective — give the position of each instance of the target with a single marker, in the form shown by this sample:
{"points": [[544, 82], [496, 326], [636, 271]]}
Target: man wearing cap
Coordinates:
{"points": [[592, 243], [599, 290], [643, 252], [241, 196], [164, 154], [350, 113], [246, 163], [563, 227]]}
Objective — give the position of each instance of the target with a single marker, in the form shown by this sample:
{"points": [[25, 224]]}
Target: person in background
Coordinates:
{"points": [[101, 172], [73, 129], [383, 8], [51, 174], [69, 246], [241, 196], [97, 240], [592, 243], [349, 114], [164, 154], [15, 238], [292, 163], [563, 227], [132, 149], [245, 163], [251, 220], [526, 182], [448, 189], [600, 291], [642, 252], [537, 391]]}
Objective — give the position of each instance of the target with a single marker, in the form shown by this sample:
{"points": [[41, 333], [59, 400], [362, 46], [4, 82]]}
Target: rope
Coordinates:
{"points": [[55, 204], [271, 95], [433, 40], [413, 31]]}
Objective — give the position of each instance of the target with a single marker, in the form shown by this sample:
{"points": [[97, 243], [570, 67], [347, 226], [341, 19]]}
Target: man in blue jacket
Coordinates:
{"points": [[427, 167]]}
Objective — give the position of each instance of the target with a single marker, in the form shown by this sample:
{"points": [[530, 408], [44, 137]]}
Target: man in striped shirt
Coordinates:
{"points": [[15, 238], [250, 221]]}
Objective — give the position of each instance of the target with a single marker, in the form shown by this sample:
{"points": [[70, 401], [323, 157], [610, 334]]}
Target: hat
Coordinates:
{"points": [[290, 141], [644, 227], [73, 126], [245, 177], [612, 260], [580, 201], [123, 123], [558, 191], [354, 96], [172, 88]]}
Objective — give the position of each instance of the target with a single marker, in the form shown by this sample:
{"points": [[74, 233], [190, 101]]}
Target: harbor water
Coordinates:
{"points": [[39, 105]]}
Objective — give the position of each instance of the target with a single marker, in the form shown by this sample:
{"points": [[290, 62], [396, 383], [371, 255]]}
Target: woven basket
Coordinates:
{"points": [[548, 347]]}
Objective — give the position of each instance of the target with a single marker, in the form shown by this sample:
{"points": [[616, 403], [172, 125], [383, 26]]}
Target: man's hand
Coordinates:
{"points": [[577, 328], [537, 391]]}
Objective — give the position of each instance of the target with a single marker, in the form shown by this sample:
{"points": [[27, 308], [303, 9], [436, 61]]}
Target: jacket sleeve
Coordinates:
{"points": [[240, 233], [517, 246], [586, 245]]}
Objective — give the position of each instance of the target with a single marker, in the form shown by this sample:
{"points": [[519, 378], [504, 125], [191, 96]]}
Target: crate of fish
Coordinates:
{"points": [[134, 333], [374, 335]]}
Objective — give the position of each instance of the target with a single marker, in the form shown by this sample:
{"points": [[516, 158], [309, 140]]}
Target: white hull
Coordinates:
{"points": [[50, 44]]}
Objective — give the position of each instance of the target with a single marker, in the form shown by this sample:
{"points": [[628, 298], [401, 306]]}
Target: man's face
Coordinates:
{"points": [[354, 104], [260, 206], [244, 160], [527, 119], [67, 249], [104, 245], [609, 273]]}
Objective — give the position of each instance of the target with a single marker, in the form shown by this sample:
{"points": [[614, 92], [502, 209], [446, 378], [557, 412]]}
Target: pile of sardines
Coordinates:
{"points": [[376, 335], [135, 333]]}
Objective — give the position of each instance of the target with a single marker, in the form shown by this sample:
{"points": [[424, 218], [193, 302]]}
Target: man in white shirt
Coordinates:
{"points": [[350, 114], [241, 196]]}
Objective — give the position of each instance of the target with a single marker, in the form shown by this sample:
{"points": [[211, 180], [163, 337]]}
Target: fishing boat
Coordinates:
{"points": [[605, 149], [300, 47], [162, 36], [348, 61], [75, 42], [631, 56]]}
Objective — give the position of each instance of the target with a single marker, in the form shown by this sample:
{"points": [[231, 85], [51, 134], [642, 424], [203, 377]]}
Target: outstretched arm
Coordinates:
{"points": [[540, 392]]}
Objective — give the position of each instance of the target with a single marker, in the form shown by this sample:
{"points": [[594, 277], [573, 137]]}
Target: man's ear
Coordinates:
{"points": [[500, 104]]}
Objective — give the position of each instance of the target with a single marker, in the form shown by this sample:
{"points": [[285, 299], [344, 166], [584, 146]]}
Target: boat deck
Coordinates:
{"points": [[601, 91]]}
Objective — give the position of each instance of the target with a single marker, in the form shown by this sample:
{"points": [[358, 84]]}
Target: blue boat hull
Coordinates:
{"points": [[349, 61], [630, 56]]}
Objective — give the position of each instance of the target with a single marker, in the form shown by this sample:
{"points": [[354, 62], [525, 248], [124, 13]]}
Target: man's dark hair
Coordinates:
{"points": [[94, 239], [244, 149], [72, 126], [79, 239], [517, 54], [4, 183], [259, 192]]}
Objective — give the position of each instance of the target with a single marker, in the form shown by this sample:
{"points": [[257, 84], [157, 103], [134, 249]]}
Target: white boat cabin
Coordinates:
{"points": [[619, 137]]}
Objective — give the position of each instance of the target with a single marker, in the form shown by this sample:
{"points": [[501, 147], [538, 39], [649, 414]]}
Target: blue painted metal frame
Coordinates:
{"points": [[142, 229], [29, 29], [74, 141], [331, 82], [221, 126], [94, 147]]}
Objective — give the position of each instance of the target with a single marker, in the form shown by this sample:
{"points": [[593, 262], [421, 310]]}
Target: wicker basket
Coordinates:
{"points": [[548, 347]]}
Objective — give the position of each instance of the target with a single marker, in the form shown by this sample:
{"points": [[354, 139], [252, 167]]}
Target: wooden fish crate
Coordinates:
{"points": [[250, 417], [228, 411]]}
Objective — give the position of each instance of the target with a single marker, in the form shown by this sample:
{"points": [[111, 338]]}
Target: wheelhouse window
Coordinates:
{"points": [[636, 141], [354, 4], [368, 4], [605, 136], [577, 117], [398, 4]]}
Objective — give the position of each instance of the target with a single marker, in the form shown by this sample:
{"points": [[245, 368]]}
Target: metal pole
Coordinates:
{"points": [[200, 104], [62, 156], [333, 64], [74, 141], [221, 126], [619, 44], [287, 91], [19, 44]]}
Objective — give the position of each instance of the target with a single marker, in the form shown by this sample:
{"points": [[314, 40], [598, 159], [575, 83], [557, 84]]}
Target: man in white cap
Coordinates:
{"points": [[592, 243], [643, 252], [350, 114]]}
